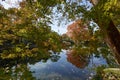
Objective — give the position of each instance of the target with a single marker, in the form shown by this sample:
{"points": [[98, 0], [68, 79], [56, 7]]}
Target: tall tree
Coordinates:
{"points": [[101, 12], [78, 32], [106, 10], [26, 28]]}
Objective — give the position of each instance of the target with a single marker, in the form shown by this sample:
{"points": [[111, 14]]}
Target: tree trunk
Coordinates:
{"points": [[112, 35], [112, 38]]}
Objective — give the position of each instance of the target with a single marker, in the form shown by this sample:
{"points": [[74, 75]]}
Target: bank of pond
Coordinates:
{"points": [[72, 63]]}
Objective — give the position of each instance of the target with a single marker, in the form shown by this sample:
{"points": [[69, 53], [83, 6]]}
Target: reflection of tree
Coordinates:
{"points": [[17, 68], [54, 57], [79, 56], [77, 59], [16, 72]]}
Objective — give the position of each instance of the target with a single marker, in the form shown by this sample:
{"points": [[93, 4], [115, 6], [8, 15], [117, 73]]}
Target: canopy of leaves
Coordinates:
{"points": [[26, 31]]}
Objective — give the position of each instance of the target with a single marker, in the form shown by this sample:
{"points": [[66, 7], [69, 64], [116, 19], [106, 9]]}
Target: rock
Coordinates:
{"points": [[111, 74]]}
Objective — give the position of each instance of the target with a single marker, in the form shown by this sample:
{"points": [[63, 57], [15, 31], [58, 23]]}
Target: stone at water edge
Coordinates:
{"points": [[111, 74]]}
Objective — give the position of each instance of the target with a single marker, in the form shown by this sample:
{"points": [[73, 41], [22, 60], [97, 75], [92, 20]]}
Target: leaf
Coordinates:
{"points": [[18, 49]]}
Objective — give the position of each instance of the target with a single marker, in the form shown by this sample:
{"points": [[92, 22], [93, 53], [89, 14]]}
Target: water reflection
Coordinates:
{"points": [[16, 72], [65, 65], [80, 61], [69, 67]]}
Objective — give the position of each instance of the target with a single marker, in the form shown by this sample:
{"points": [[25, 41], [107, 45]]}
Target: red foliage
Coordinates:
{"points": [[76, 59], [78, 31]]}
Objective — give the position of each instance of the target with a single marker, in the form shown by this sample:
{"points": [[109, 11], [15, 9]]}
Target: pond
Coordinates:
{"points": [[66, 68], [43, 46], [65, 65]]}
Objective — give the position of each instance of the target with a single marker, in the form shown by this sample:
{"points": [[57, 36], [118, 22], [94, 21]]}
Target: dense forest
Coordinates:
{"points": [[26, 35]]}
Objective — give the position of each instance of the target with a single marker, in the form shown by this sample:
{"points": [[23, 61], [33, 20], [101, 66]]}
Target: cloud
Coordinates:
{"points": [[10, 3]]}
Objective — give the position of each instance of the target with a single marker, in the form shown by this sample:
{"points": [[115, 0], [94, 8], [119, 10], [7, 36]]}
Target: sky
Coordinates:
{"points": [[10, 3], [57, 26], [60, 29], [60, 23]]}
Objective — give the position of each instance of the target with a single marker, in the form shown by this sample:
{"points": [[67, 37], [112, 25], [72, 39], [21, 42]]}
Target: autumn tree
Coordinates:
{"points": [[104, 13], [78, 32]]}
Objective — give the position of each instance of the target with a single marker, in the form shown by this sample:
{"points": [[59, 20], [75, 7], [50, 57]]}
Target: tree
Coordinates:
{"points": [[108, 9], [78, 32], [103, 13], [25, 31]]}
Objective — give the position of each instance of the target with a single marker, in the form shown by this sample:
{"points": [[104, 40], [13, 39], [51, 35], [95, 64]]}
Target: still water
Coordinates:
{"points": [[65, 67]]}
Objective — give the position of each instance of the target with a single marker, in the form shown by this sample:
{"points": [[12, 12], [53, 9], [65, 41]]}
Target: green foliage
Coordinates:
{"points": [[99, 73], [24, 35], [21, 31], [19, 72]]}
